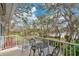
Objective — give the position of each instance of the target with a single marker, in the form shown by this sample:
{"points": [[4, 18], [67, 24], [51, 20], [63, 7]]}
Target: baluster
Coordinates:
{"points": [[66, 51], [48, 46], [74, 50], [70, 50], [60, 48], [16, 41], [63, 48], [55, 44]]}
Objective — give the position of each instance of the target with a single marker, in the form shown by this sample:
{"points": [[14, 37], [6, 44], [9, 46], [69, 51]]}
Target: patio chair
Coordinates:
{"points": [[55, 52], [33, 46]]}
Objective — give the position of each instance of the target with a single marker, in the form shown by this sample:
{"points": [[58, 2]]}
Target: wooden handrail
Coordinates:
{"points": [[60, 41]]}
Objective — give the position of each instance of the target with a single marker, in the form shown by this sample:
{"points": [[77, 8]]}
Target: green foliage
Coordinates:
{"points": [[77, 51], [68, 50], [72, 51], [67, 38]]}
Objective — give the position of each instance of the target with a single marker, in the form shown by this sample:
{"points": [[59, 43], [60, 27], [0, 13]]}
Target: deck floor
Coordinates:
{"points": [[18, 52]]}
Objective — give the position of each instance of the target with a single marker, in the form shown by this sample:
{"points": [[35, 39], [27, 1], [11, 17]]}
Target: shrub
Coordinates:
{"points": [[67, 38]]}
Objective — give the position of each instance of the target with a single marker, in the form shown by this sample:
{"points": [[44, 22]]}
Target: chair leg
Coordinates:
{"points": [[34, 52], [43, 53], [38, 51], [30, 53]]}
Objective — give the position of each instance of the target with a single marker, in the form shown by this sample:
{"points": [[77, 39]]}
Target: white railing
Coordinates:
{"points": [[3, 40], [66, 48]]}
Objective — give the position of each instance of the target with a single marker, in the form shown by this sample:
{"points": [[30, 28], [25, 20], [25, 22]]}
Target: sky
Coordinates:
{"points": [[76, 11], [42, 11], [39, 9], [36, 11]]}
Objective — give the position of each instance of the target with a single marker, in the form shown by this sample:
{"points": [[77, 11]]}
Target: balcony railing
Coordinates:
{"points": [[65, 48]]}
